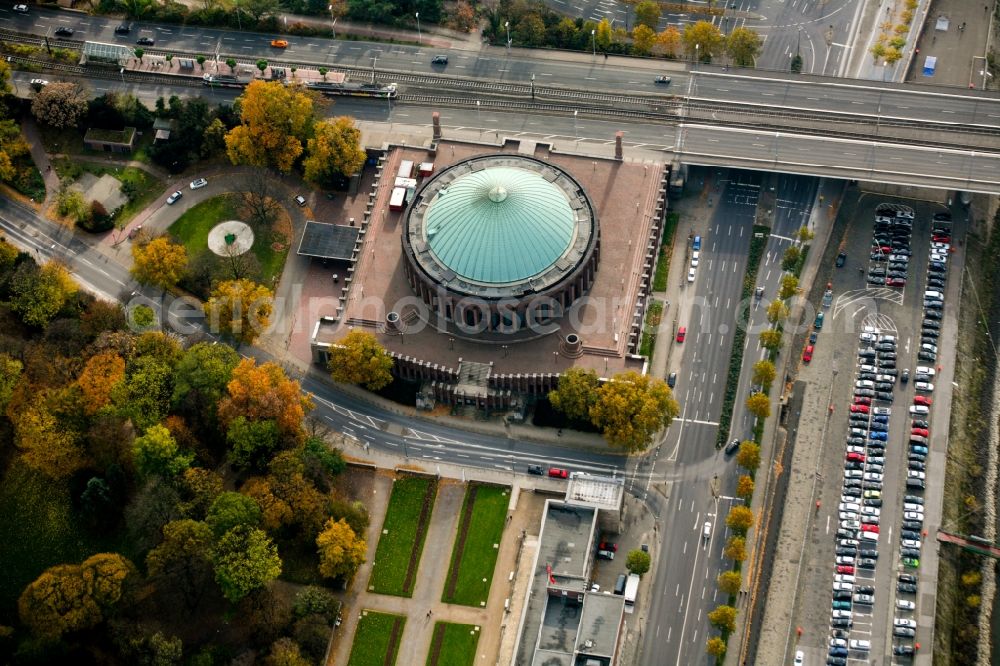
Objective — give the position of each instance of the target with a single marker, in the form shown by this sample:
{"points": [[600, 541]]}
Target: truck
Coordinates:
{"points": [[631, 592]]}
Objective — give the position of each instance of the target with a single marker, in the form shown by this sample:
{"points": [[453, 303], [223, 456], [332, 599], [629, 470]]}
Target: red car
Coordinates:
{"points": [[558, 473], [895, 282], [923, 400], [869, 528], [681, 334], [862, 400], [941, 238], [608, 545], [845, 569], [859, 409], [807, 354], [859, 457], [922, 432]]}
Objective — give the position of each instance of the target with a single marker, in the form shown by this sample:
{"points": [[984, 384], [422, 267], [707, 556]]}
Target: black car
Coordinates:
{"points": [[145, 41], [836, 661], [913, 499], [916, 457], [732, 446], [851, 464], [864, 589], [886, 364], [439, 60], [903, 650], [852, 483], [841, 622], [867, 376], [883, 396], [856, 441], [929, 333], [873, 502], [929, 340], [898, 266], [903, 632], [933, 305], [65, 32], [932, 314], [916, 484], [884, 386], [906, 588], [876, 445], [937, 267], [672, 379], [875, 279], [931, 323], [942, 217], [910, 552], [913, 525], [866, 353], [870, 553], [536, 469], [841, 259], [864, 393], [889, 356], [866, 563], [907, 578], [927, 356], [910, 534], [851, 492], [897, 274], [842, 595], [885, 347], [123, 28]]}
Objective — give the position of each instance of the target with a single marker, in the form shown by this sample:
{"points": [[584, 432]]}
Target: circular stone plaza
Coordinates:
{"points": [[489, 270]]}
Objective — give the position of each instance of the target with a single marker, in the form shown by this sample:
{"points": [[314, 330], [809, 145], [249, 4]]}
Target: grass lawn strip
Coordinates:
{"points": [[453, 644], [474, 556], [423, 522], [400, 531], [376, 639]]}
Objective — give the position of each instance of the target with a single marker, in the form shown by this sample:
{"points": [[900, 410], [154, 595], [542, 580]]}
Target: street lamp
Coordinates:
{"points": [[239, 21], [333, 25], [419, 39], [532, 86], [479, 118], [507, 25], [374, 60], [593, 37]]}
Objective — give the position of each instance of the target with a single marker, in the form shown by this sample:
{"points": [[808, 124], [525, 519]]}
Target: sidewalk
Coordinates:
{"points": [[29, 131]]}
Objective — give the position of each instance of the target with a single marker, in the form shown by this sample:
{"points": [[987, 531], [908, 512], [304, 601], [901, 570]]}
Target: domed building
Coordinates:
{"points": [[500, 243]]}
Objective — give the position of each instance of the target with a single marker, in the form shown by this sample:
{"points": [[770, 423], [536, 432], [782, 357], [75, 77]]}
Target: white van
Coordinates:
{"points": [[869, 536], [925, 370], [863, 646], [933, 295], [706, 531]]}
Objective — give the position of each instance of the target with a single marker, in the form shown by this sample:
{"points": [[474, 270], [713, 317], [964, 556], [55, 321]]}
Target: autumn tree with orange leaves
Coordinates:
{"points": [[334, 150], [262, 392], [240, 308], [99, 376], [275, 122]]}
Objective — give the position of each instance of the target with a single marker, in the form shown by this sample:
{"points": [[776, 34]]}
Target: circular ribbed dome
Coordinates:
{"points": [[499, 225]]}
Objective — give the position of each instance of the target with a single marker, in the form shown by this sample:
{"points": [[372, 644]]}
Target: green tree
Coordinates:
{"points": [[805, 234], [231, 64], [199, 487], [749, 456], [777, 312], [286, 652], [213, 139], [38, 294], [358, 358], [743, 46], [157, 649], [604, 35], [240, 308], [71, 597], [252, 442], [723, 618], [735, 549], [10, 375], [201, 61], [632, 408], [577, 393], [71, 204], [744, 488], [144, 395], [183, 558], [245, 560], [529, 30], [796, 64], [637, 562], [647, 13], [160, 262], [341, 551], [729, 582], [716, 647], [260, 9], [789, 286], [334, 150], [739, 520], [262, 66], [323, 71], [790, 258], [157, 453], [771, 339], [759, 405], [763, 373], [702, 40], [139, 53], [313, 600], [201, 376], [231, 510]]}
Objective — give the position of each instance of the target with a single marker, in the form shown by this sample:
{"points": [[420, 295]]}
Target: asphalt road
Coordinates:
{"points": [[684, 590]]}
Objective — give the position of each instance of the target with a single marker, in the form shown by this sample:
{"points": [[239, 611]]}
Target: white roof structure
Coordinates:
{"points": [[598, 492]]}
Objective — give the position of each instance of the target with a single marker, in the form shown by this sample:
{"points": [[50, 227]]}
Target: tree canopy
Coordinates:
{"points": [[245, 560], [334, 150], [240, 308], [275, 122], [157, 453], [183, 557], [231, 510], [702, 40], [38, 294], [358, 358], [341, 551], [740, 519], [59, 104], [99, 376], [759, 405], [638, 561], [261, 392], [743, 46], [577, 393], [160, 262], [632, 408]]}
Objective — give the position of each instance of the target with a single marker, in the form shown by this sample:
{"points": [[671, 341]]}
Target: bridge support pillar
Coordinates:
{"points": [[619, 135], [436, 122]]}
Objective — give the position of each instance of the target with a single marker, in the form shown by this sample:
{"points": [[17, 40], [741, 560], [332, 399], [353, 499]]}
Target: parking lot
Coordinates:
{"points": [[864, 575]]}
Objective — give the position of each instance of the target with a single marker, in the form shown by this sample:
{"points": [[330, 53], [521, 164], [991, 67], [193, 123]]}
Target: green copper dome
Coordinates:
{"points": [[500, 225]]}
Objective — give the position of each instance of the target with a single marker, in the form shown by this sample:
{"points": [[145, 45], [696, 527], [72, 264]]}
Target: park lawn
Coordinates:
{"points": [[192, 228], [458, 644], [39, 529], [373, 639], [478, 557], [399, 541]]}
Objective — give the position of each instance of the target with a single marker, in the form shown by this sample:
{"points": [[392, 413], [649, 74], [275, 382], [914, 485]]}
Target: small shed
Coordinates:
{"points": [[162, 128], [110, 141], [930, 64]]}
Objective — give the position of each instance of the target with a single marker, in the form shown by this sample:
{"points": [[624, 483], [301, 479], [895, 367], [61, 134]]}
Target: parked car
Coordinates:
{"points": [[558, 473], [198, 183], [536, 469], [172, 199]]}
